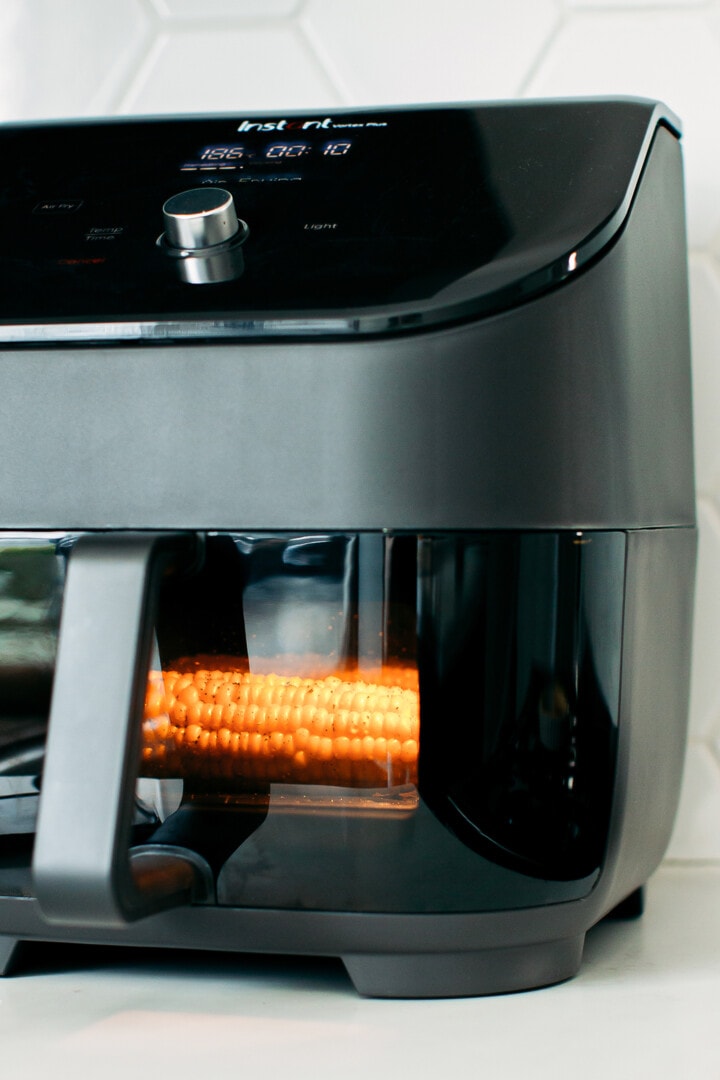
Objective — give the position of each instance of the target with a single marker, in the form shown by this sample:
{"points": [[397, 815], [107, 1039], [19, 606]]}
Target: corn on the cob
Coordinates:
{"points": [[213, 722]]}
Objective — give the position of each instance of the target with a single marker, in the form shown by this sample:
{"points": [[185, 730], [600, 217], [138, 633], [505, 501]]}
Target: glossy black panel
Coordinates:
{"points": [[520, 676], [412, 212], [517, 640]]}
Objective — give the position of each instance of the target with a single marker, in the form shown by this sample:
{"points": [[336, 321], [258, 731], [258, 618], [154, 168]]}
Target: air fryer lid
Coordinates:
{"points": [[347, 222]]}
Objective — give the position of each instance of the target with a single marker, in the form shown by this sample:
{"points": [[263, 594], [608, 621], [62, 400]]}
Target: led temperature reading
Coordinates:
{"points": [[223, 153]]}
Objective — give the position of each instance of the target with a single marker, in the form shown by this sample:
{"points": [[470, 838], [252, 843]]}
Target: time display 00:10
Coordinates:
{"points": [[276, 151]]}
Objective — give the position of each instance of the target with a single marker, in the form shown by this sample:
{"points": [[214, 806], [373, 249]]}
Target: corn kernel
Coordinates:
{"points": [[221, 723]]}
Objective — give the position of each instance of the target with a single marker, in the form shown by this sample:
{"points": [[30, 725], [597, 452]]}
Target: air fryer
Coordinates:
{"points": [[347, 534]]}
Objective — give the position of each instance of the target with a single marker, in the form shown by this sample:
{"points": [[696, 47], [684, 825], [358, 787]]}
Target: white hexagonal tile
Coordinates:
{"points": [[399, 51], [672, 55], [242, 69], [705, 329], [713, 249], [602, 4], [66, 59], [697, 827], [705, 682], [228, 9]]}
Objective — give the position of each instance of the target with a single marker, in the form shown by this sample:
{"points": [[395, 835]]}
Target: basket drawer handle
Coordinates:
{"points": [[83, 871]]}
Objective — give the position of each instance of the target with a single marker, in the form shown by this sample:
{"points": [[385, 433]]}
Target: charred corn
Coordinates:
{"points": [[227, 723]]}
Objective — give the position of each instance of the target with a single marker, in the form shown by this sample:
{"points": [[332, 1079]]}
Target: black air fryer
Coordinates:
{"points": [[347, 533]]}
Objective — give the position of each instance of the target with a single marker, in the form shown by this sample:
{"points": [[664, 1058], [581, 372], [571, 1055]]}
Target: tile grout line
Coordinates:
{"points": [[163, 29], [319, 55], [544, 50], [143, 61], [137, 59], [176, 24], [105, 100]]}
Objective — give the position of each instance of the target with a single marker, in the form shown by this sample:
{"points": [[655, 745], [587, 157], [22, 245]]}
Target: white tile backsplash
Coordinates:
{"points": [[82, 57], [696, 835], [66, 59], [241, 70], [705, 316], [405, 51], [672, 55], [604, 5], [705, 687], [226, 9]]}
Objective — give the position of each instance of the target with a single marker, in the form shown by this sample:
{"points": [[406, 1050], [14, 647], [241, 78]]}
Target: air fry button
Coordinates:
{"points": [[58, 206]]}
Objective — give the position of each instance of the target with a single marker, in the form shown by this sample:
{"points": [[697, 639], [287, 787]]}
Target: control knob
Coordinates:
{"points": [[203, 236], [200, 218]]}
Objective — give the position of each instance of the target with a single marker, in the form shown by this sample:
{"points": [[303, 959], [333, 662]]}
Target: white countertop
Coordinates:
{"points": [[645, 1004]]}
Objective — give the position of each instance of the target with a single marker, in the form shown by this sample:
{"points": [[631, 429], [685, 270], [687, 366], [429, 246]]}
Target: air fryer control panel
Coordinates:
{"points": [[307, 216], [337, 212]]}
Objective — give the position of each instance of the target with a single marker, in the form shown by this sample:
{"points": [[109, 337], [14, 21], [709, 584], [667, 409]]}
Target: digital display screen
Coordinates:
{"points": [[237, 155]]}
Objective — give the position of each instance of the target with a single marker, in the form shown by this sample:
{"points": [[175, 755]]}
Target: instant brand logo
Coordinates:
{"points": [[286, 125], [306, 125]]}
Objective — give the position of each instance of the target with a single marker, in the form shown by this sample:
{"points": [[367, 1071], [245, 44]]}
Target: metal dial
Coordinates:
{"points": [[200, 218]]}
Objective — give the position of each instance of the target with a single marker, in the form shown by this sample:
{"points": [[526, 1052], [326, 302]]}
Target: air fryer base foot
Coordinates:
{"points": [[8, 954], [631, 907], [465, 974]]}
